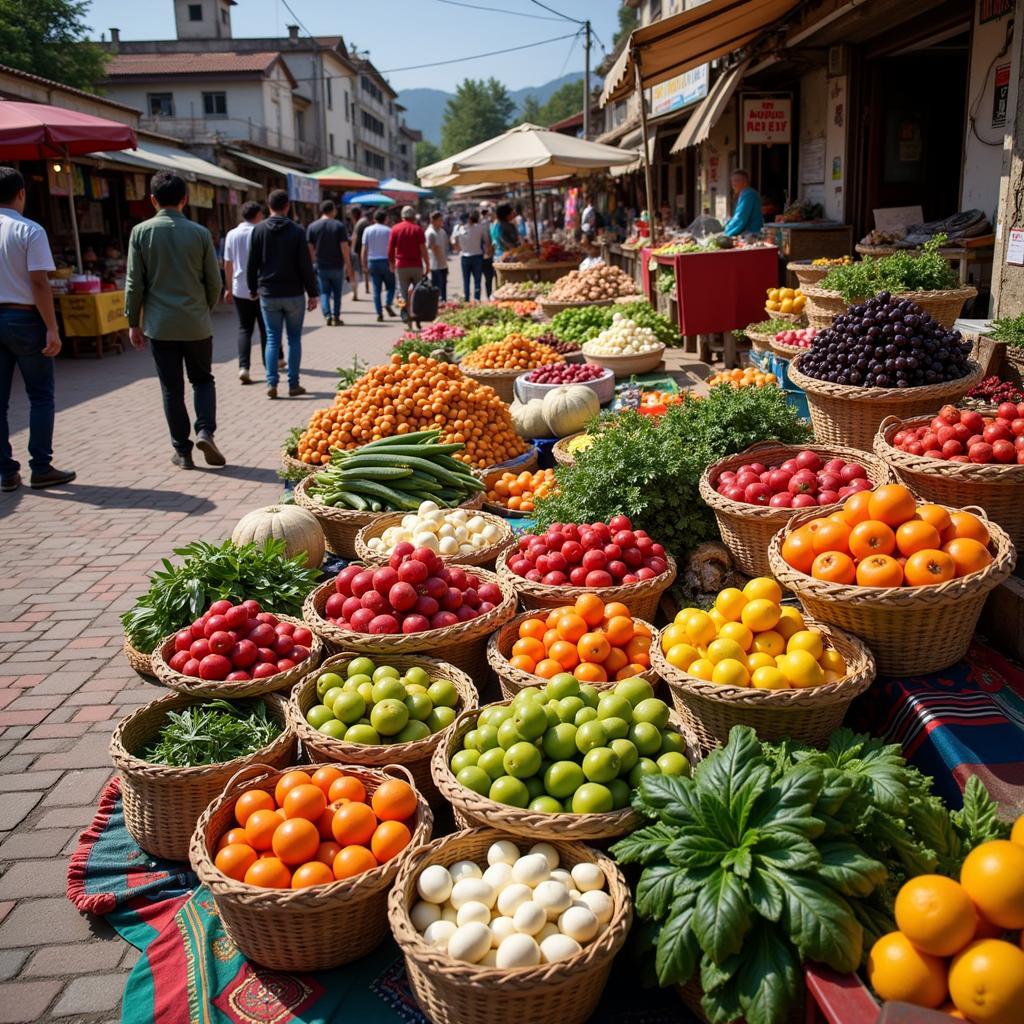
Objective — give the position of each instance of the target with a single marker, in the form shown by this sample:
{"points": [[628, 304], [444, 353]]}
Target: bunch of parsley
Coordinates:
{"points": [[902, 271]]}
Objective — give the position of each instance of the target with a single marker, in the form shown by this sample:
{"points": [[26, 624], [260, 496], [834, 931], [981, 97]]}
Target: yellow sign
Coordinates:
{"points": [[200, 194], [86, 316]]}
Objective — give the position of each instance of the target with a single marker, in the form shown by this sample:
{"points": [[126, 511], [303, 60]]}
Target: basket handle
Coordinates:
{"points": [[887, 422], [976, 510], [758, 445], [250, 772], [399, 771]]}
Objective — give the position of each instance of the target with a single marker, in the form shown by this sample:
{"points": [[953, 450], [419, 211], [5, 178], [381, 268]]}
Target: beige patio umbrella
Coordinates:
{"points": [[522, 154]]}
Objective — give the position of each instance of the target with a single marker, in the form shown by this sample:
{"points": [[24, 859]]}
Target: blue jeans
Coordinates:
{"points": [[472, 266], [382, 277], [280, 315], [22, 340], [439, 279], [330, 280]]}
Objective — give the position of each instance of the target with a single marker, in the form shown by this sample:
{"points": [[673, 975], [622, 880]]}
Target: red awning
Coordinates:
{"points": [[36, 131]]}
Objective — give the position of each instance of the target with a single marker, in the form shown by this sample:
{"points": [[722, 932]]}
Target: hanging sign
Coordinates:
{"points": [[680, 91], [1000, 95], [303, 189], [767, 120], [200, 194]]}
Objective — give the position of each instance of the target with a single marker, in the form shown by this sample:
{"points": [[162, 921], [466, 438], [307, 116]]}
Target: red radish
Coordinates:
{"points": [[214, 666], [220, 607], [221, 642], [243, 654], [264, 670], [415, 624], [179, 660]]}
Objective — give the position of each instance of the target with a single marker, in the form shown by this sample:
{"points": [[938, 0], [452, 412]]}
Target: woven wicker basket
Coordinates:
{"points": [[847, 415], [551, 309], [301, 929], [293, 465], [321, 749], [464, 645], [995, 487], [162, 804], [472, 809], [708, 711], [627, 365], [759, 342], [534, 271], [450, 992], [484, 557], [910, 630], [784, 351], [561, 453], [339, 525], [747, 529], [527, 462], [501, 381], [944, 307], [640, 598], [776, 314], [142, 663], [512, 680], [806, 274], [222, 688]]}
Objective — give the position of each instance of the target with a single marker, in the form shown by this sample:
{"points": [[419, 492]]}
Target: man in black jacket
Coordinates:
{"points": [[279, 270]]}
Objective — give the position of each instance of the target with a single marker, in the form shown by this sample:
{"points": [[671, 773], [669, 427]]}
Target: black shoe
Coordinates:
{"points": [[182, 461], [380, 318], [11, 482], [391, 312], [272, 392], [329, 321], [243, 375], [295, 391], [51, 478], [337, 322], [206, 444]]}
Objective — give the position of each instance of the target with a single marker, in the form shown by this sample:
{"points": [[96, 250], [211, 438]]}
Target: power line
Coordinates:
{"points": [[497, 10], [565, 17], [572, 47], [477, 56]]}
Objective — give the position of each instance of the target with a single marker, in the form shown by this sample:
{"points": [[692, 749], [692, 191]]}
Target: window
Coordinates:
{"points": [[348, 149], [371, 88], [330, 142], [330, 94], [300, 125], [195, 12], [215, 104], [374, 160], [372, 124], [160, 104], [346, 104], [224, 16]]}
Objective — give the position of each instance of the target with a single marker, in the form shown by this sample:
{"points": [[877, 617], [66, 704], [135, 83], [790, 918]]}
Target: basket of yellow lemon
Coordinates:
{"points": [[750, 660], [785, 304], [745, 377]]}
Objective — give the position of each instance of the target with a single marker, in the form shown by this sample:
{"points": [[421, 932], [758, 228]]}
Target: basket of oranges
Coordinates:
{"points": [[594, 642], [747, 377], [908, 578], [498, 363], [785, 304], [300, 863], [753, 661], [513, 495]]}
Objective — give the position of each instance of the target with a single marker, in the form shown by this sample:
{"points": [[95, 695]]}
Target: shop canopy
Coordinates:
{"points": [[302, 187], [403, 191], [342, 177], [153, 157], [711, 108], [673, 45], [368, 199]]}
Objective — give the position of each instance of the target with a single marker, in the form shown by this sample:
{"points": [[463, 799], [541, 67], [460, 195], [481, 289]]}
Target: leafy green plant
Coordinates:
{"points": [[665, 282], [1009, 329], [902, 271], [772, 327], [179, 594], [348, 375], [586, 322], [212, 733], [291, 445], [406, 346], [468, 317], [485, 335]]}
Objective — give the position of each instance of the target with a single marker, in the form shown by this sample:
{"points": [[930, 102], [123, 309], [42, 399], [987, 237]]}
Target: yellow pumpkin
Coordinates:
{"points": [[295, 526]]}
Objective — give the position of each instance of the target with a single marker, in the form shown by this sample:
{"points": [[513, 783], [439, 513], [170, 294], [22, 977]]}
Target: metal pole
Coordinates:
{"points": [[586, 80], [533, 202], [71, 210], [648, 181]]}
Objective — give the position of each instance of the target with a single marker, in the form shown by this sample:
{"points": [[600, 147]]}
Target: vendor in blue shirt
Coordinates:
{"points": [[746, 219]]}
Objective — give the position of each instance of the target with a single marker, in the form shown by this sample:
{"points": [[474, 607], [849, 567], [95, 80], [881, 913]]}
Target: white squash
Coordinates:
{"points": [[529, 419], [296, 526], [569, 408]]}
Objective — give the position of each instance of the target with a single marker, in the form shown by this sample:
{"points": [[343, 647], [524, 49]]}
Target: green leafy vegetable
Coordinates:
{"points": [[406, 346], [179, 594], [665, 282], [1009, 329], [347, 376], [587, 322], [468, 317], [212, 733], [902, 271], [485, 335]]}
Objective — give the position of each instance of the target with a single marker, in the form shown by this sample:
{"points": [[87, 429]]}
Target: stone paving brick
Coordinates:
{"points": [[32, 878], [25, 1001], [81, 958], [36, 842], [91, 994], [11, 961], [78, 787], [66, 817], [14, 806], [30, 780], [39, 922]]}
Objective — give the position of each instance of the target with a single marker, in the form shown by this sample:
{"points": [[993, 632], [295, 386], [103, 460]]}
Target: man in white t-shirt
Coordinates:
{"points": [[437, 249], [28, 335], [236, 256]]}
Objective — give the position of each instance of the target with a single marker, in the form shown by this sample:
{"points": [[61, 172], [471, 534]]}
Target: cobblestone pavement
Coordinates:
{"points": [[71, 560]]}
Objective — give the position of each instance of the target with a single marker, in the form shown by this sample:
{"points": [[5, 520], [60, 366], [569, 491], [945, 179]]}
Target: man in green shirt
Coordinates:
{"points": [[173, 283]]}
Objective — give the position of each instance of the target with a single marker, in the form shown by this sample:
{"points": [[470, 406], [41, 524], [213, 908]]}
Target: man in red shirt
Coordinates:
{"points": [[408, 256]]}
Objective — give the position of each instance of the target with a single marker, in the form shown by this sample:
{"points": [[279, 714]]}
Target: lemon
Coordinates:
{"points": [[806, 640], [760, 614], [717, 618], [832, 661], [730, 602], [724, 649], [801, 669], [758, 660], [738, 632], [702, 669], [768, 679], [790, 621], [674, 634], [700, 627], [682, 655], [684, 614], [769, 642], [730, 672]]}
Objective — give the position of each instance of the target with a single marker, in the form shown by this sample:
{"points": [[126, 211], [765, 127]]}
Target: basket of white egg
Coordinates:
{"points": [[491, 931], [624, 348], [458, 535]]}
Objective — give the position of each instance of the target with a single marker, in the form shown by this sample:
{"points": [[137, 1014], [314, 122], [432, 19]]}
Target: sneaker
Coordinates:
{"points": [[298, 389], [243, 376], [391, 312], [380, 318], [51, 478], [11, 482], [338, 322], [329, 321], [272, 392], [212, 454], [182, 461]]}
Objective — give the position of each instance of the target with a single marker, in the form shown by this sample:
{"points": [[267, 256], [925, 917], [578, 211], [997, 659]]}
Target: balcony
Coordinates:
{"points": [[229, 130], [366, 137]]}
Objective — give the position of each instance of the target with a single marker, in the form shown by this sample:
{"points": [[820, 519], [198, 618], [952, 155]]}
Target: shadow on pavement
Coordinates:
{"points": [[129, 497]]}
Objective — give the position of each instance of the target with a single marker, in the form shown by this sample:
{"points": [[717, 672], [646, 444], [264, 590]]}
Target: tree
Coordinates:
{"points": [[478, 110], [565, 101], [427, 153], [532, 112], [48, 38], [628, 19]]}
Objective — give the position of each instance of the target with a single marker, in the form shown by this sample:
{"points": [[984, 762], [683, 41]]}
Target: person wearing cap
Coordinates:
{"points": [[408, 256]]}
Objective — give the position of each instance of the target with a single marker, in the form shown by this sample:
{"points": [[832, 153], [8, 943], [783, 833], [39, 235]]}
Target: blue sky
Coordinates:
{"points": [[407, 32]]}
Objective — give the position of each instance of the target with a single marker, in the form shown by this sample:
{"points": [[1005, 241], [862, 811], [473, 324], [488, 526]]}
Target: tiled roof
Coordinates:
{"points": [[124, 65]]}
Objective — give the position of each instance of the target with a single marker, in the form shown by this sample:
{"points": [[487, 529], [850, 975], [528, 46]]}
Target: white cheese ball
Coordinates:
{"points": [[478, 541], [472, 911], [434, 884], [502, 928], [424, 914], [531, 917], [563, 876], [470, 942], [438, 933], [579, 923], [491, 533], [548, 852], [489, 959], [553, 897], [531, 869], [446, 530], [558, 947], [517, 951], [549, 929], [449, 913], [498, 876], [476, 524], [448, 546], [423, 539], [427, 506], [465, 869], [587, 876], [467, 889], [512, 897], [600, 903], [503, 852]]}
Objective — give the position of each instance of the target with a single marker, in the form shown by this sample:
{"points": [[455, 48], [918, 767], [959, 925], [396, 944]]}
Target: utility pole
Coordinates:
{"points": [[586, 80]]}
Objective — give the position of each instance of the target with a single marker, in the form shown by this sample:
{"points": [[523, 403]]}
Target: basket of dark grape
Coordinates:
{"points": [[538, 383], [883, 357], [569, 350]]}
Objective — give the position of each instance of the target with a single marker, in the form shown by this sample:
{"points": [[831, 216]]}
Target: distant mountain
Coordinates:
{"points": [[425, 107]]}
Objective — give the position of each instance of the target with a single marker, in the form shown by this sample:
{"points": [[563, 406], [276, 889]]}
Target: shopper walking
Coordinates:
{"points": [[172, 285], [329, 250], [408, 257], [361, 220], [437, 247], [470, 241], [28, 335], [504, 235], [278, 271], [247, 310], [376, 267]]}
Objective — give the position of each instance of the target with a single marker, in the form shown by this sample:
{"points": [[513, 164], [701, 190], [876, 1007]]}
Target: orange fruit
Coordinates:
{"points": [[1017, 832], [233, 835], [591, 672], [986, 982], [966, 524], [323, 778], [347, 787], [260, 828], [871, 537], [613, 608], [296, 841], [617, 658], [326, 852], [565, 654], [936, 914], [252, 800], [523, 663], [620, 630], [528, 647], [830, 535], [834, 567], [550, 637], [289, 781], [533, 628], [593, 647], [900, 972], [571, 627], [993, 875], [312, 873], [916, 535], [798, 550], [269, 873], [892, 504], [855, 508], [304, 801], [879, 571], [968, 554], [353, 860], [641, 629], [389, 840], [548, 668], [555, 614], [928, 566], [590, 608], [394, 800], [353, 824], [235, 860], [936, 515], [631, 670]]}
